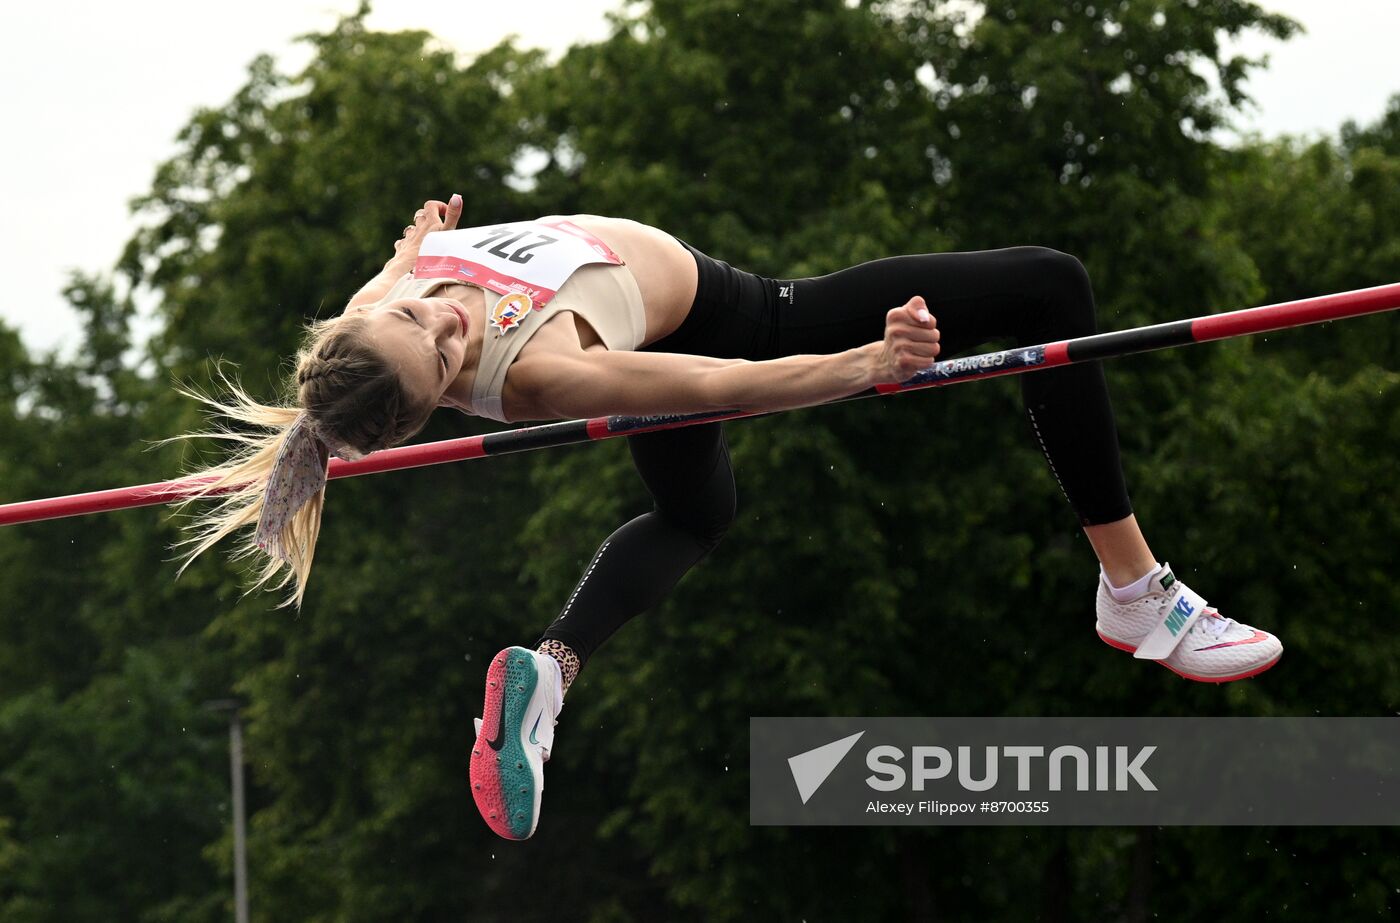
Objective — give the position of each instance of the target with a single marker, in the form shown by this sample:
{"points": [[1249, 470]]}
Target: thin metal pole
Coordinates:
{"points": [[988, 365], [240, 845]]}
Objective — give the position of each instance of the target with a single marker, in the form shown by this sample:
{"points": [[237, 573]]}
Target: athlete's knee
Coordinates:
{"points": [[706, 530], [1063, 282], [713, 534], [712, 529], [708, 521], [1055, 270]]}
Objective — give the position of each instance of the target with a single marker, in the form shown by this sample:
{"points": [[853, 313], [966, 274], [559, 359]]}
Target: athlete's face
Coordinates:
{"points": [[425, 339]]}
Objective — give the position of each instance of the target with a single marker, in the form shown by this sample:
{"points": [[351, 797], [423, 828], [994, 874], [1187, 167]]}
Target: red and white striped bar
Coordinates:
{"points": [[988, 365]]}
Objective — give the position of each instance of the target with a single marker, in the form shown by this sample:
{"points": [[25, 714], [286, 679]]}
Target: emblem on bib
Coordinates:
{"points": [[510, 311]]}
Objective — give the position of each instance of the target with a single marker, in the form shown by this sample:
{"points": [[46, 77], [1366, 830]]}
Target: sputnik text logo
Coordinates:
{"points": [[1067, 767]]}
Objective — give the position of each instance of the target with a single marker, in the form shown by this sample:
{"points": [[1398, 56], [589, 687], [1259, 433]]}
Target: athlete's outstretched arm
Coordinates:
{"points": [[602, 382], [433, 216]]}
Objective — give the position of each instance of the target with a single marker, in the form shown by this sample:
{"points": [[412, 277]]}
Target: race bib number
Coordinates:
{"points": [[531, 258]]}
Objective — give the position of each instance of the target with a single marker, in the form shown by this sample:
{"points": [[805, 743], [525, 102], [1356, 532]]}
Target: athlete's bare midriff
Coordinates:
{"points": [[665, 271]]}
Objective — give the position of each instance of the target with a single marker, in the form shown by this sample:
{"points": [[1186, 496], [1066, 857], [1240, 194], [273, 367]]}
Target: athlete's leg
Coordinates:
{"points": [[1028, 294], [1121, 550], [688, 474], [1034, 295]]}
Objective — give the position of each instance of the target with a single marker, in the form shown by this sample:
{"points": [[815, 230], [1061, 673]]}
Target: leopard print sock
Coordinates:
{"points": [[568, 661]]}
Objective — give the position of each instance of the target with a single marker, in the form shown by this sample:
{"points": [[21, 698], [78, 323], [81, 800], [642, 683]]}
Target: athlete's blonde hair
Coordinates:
{"points": [[351, 394]]}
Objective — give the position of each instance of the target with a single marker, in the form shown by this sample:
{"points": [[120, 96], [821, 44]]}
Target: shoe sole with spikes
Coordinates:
{"points": [[507, 768]]}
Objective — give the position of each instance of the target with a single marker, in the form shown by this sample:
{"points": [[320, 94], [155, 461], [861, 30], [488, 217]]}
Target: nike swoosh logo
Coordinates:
{"points": [[1252, 639], [533, 739], [500, 737]]}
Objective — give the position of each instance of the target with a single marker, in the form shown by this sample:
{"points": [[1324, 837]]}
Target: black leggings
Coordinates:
{"points": [[1031, 295]]}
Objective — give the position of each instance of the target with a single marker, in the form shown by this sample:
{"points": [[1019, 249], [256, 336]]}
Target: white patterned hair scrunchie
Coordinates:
{"points": [[298, 474]]}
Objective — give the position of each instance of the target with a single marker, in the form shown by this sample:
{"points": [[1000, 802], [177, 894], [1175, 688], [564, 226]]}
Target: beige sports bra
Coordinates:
{"points": [[603, 294]]}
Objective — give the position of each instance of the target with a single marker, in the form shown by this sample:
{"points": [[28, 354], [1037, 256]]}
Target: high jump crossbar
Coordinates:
{"points": [[570, 432]]}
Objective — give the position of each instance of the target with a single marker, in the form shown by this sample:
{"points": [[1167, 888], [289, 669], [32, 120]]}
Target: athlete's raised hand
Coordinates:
{"points": [[433, 216], [911, 340]]}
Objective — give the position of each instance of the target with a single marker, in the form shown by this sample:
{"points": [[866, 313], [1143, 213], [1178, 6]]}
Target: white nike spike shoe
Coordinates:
{"points": [[1172, 625], [513, 739]]}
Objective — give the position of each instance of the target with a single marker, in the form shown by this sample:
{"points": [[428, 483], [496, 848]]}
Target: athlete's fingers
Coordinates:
{"points": [[900, 318], [898, 324], [913, 313], [906, 356], [920, 344], [454, 211], [920, 334], [925, 353], [918, 311], [921, 340], [925, 356], [911, 338], [909, 364], [433, 212]]}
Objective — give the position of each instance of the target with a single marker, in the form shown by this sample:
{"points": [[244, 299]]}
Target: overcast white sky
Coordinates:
{"points": [[94, 94]]}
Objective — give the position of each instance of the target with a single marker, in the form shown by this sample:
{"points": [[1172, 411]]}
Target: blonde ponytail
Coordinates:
{"points": [[349, 390]]}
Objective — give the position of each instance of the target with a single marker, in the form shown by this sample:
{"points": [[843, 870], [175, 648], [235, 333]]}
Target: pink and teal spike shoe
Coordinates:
{"points": [[513, 739]]}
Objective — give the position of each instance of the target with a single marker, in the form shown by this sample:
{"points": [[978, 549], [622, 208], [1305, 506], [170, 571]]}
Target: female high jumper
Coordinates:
{"points": [[588, 316]]}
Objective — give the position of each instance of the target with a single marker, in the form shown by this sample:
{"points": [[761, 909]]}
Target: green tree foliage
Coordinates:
{"points": [[1384, 135], [118, 788], [1321, 217], [905, 556]]}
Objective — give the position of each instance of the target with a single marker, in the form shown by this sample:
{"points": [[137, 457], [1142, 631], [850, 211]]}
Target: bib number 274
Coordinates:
{"points": [[504, 242]]}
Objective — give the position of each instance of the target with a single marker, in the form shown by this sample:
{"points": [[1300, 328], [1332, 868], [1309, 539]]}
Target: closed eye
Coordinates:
{"points": [[441, 356]]}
